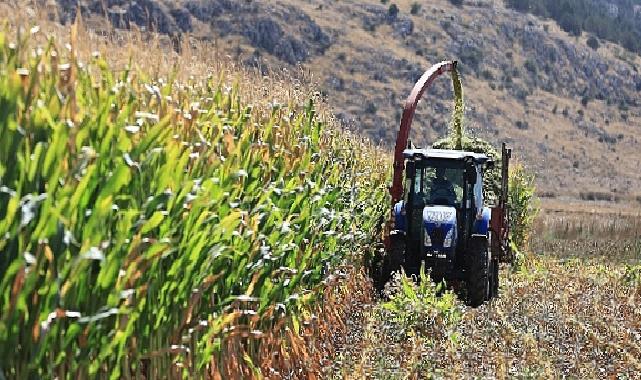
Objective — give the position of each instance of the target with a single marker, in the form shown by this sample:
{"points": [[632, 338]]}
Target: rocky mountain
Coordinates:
{"points": [[570, 108]]}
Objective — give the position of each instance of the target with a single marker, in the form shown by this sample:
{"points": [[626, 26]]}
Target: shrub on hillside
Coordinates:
{"points": [[593, 43], [632, 277], [392, 11], [530, 65]]}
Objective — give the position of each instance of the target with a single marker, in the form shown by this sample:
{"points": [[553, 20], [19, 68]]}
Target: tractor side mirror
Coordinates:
{"points": [[470, 174], [410, 169]]}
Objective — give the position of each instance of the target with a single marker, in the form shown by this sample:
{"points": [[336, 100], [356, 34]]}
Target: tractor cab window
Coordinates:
{"points": [[439, 185]]}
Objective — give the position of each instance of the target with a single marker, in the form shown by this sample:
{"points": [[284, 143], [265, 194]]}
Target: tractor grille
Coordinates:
{"points": [[437, 236]]}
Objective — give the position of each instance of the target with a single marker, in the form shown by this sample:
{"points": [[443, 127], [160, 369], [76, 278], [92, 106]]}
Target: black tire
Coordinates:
{"points": [[393, 259], [479, 273], [495, 277]]}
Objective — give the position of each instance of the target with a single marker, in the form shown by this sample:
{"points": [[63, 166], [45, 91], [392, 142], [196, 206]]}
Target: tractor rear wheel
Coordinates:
{"points": [[394, 257], [479, 273]]}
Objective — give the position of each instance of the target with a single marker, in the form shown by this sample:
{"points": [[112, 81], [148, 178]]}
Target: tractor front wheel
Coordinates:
{"points": [[479, 273], [394, 257]]}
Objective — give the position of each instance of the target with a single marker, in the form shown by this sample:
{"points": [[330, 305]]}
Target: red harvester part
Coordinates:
{"points": [[406, 122]]}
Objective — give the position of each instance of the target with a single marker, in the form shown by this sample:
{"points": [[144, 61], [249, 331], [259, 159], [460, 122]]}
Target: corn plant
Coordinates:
{"points": [[524, 205], [157, 228]]}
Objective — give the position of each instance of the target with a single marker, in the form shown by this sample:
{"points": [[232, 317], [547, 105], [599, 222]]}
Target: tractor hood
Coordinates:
{"points": [[440, 227]]}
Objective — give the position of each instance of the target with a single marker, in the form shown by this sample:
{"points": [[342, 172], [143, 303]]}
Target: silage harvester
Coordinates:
{"points": [[438, 216]]}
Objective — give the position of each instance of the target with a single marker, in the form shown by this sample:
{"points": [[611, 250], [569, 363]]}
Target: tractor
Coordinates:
{"points": [[439, 219]]}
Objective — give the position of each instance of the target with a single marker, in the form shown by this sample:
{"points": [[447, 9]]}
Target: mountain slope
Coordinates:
{"points": [[571, 112]]}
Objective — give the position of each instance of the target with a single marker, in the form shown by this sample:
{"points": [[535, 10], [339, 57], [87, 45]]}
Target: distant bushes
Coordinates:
{"points": [[530, 65], [632, 276], [472, 56], [598, 196], [393, 11]]}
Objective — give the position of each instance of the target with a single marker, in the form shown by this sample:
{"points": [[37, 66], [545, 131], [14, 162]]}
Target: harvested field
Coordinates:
{"points": [[571, 309]]}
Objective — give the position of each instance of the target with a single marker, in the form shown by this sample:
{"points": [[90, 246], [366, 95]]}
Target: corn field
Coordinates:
{"points": [[151, 227]]}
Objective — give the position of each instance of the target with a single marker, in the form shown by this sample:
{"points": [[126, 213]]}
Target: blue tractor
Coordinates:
{"points": [[439, 218]]}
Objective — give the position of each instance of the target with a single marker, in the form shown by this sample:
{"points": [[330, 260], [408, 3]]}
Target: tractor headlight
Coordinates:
{"points": [[427, 240], [447, 242]]}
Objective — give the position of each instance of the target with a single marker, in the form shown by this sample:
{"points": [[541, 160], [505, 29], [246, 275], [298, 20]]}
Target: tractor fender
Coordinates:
{"points": [[482, 226], [475, 241]]}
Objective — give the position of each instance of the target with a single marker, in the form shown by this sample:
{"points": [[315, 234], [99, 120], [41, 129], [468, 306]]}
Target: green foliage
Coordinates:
{"points": [[523, 206], [632, 275], [457, 130], [137, 216], [422, 307], [393, 11], [458, 140]]}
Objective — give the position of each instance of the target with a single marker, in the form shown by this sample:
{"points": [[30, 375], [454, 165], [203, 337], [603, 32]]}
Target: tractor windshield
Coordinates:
{"points": [[439, 183]]}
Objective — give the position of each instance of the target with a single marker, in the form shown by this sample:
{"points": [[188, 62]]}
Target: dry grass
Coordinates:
{"points": [[610, 238]]}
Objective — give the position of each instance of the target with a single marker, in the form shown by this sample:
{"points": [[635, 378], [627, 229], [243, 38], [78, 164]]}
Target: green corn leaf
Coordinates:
{"points": [[152, 223]]}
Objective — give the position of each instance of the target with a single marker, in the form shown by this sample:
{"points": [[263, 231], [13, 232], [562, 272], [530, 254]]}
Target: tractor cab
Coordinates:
{"points": [[441, 208]]}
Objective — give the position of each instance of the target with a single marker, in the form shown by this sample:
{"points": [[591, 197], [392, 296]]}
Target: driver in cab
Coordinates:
{"points": [[441, 187]]}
